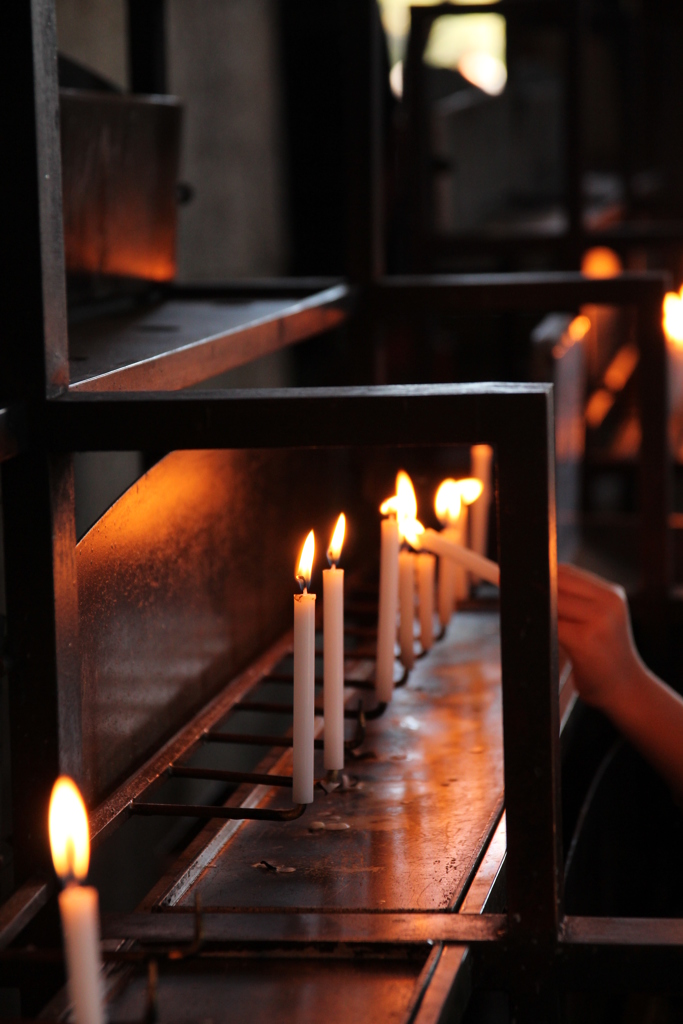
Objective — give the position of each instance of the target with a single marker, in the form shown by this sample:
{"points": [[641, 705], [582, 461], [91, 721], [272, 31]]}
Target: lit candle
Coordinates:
{"points": [[406, 512], [426, 571], [432, 540], [333, 647], [448, 506], [471, 490], [482, 455], [78, 904], [388, 603], [304, 679]]}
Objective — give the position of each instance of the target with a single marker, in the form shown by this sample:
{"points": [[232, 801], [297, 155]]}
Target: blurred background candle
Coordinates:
{"points": [[78, 904], [388, 604], [406, 603], [426, 572], [406, 512], [482, 456], [447, 506], [333, 648], [304, 679], [471, 491]]}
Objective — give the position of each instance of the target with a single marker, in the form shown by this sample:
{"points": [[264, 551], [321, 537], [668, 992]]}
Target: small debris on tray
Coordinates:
{"points": [[279, 869]]}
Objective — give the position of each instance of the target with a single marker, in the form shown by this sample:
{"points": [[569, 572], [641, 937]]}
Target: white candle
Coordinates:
{"points": [[426, 569], [304, 681], [78, 904], [446, 584], [333, 652], [431, 540], [388, 607], [462, 579], [406, 601], [448, 505], [482, 455]]}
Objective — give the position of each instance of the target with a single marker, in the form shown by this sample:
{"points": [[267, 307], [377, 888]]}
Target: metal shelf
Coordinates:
{"points": [[189, 336]]}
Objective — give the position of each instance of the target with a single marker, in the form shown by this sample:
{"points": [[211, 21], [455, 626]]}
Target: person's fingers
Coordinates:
{"points": [[575, 581], [572, 607]]}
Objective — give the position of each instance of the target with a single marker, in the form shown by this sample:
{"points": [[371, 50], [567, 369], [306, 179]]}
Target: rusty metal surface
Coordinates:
{"points": [[179, 342], [287, 989], [430, 793], [181, 584], [120, 159]]}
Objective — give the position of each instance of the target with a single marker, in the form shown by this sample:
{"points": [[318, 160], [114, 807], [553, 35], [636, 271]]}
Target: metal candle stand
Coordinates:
{"points": [[207, 811]]}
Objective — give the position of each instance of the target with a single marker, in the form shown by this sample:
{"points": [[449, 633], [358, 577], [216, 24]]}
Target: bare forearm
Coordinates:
{"points": [[650, 714]]}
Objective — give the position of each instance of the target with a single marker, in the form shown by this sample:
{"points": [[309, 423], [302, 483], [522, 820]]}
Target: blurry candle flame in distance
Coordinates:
{"points": [[578, 328], [305, 569], [335, 549], [470, 489], [69, 831], [672, 317], [447, 503], [600, 262], [406, 502], [411, 530]]}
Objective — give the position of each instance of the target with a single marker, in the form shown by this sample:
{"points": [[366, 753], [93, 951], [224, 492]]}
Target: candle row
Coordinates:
{"points": [[400, 567], [407, 553]]}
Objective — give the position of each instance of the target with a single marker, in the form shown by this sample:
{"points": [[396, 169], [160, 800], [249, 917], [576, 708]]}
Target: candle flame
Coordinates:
{"points": [[403, 504], [672, 317], [335, 549], [411, 530], [471, 488], [406, 502], [578, 328], [447, 502], [600, 262], [69, 831], [305, 569]]}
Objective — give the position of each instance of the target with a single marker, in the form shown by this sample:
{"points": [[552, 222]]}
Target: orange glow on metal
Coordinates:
{"points": [[578, 328], [601, 262], [599, 404], [305, 569], [672, 317], [69, 831], [335, 549], [447, 502], [620, 369]]}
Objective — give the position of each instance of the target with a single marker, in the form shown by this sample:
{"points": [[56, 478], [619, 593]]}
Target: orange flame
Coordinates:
{"points": [[335, 549], [672, 317], [471, 488], [447, 502], [69, 831], [410, 530], [600, 262], [578, 328], [403, 504], [305, 569]]}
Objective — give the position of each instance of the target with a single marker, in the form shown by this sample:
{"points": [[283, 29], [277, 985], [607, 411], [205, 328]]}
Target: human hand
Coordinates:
{"points": [[595, 629]]}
